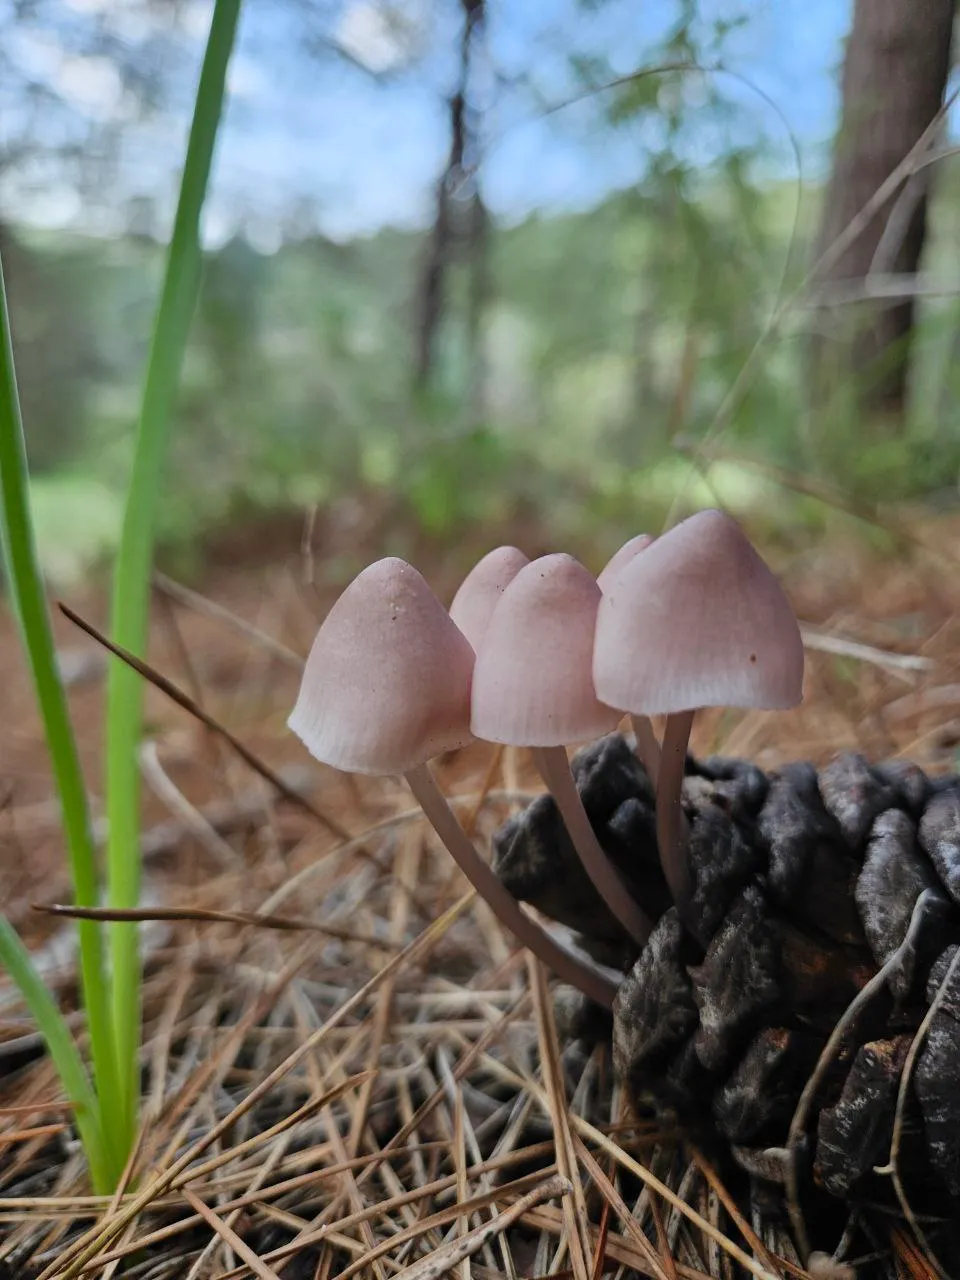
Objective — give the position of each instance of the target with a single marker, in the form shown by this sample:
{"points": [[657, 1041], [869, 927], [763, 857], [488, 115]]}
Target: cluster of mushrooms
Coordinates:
{"points": [[541, 654]]}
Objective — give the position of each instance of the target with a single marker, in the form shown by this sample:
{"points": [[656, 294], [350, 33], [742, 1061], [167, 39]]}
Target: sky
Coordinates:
{"points": [[361, 139]]}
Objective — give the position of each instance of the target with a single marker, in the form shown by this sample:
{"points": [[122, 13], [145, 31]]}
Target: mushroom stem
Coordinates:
{"points": [[554, 768], [647, 748], [578, 972], [671, 824]]}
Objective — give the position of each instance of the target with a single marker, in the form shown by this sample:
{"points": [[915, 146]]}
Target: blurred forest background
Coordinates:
{"points": [[461, 259]]}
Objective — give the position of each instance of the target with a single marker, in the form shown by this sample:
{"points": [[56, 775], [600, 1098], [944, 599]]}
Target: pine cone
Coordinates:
{"points": [[806, 884]]}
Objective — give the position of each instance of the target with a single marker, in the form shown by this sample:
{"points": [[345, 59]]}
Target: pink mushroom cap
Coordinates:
{"points": [[697, 620], [620, 559], [387, 683], [482, 588], [532, 683]]}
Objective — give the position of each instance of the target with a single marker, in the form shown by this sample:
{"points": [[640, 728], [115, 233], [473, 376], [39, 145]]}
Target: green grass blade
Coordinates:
{"points": [[25, 588], [131, 584], [56, 1034]]}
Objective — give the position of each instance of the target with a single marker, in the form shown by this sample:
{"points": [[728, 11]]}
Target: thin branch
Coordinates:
{"points": [[287, 924]]}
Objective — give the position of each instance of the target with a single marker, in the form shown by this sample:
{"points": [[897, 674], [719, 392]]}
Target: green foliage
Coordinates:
{"points": [[106, 1114], [103, 1143], [51, 308], [230, 300], [104, 1169], [610, 335], [434, 481], [131, 583]]}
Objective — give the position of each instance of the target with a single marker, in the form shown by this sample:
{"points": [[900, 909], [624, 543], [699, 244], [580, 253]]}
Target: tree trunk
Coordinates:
{"points": [[446, 232], [478, 250], [894, 78]]}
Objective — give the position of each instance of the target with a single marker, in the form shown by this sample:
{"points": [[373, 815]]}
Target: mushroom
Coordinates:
{"points": [[480, 590], [387, 687], [620, 559], [697, 620], [648, 749], [532, 687]]}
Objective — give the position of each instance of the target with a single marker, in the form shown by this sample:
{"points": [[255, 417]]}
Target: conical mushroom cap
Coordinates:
{"points": [[387, 682], [482, 588], [532, 682], [697, 620], [620, 559]]}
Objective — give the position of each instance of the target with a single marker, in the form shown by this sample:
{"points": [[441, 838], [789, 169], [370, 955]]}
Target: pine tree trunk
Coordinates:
{"points": [[446, 235], [478, 249], [894, 77], [829, 898]]}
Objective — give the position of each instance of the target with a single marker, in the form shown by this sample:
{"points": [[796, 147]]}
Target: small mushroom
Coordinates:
{"points": [[697, 620], [532, 687], [620, 559], [387, 687], [648, 749], [480, 590]]}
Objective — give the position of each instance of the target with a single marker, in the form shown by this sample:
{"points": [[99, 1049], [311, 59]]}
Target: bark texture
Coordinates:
{"points": [[809, 885], [894, 77]]}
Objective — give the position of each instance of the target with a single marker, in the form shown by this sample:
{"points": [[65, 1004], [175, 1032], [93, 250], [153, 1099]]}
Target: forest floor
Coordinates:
{"points": [[882, 678]]}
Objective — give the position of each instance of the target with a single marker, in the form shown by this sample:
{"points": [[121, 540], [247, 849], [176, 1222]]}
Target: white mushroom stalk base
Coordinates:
{"points": [[647, 749], [554, 768], [578, 972], [671, 824]]}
